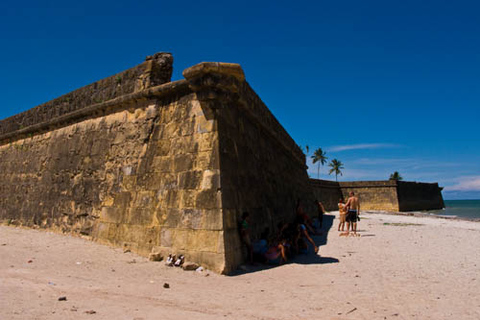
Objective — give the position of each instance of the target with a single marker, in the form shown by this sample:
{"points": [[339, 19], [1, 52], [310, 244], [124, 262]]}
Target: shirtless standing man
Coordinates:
{"points": [[353, 205]]}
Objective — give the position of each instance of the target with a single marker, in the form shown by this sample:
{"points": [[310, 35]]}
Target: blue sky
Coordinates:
{"points": [[382, 86]]}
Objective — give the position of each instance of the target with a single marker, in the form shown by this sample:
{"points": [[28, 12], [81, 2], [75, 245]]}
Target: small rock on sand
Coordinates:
{"points": [[190, 266], [155, 257]]}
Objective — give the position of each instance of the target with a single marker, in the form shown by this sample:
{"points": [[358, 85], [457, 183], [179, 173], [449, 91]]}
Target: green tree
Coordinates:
{"points": [[337, 167], [319, 156], [396, 176]]}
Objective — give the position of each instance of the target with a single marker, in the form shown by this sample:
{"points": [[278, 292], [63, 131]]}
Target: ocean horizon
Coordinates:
{"points": [[469, 209]]}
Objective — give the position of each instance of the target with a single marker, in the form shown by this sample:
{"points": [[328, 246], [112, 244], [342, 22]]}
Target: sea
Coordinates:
{"points": [[465, 209]]}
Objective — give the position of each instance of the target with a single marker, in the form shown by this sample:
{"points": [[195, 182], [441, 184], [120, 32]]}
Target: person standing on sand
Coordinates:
{"points": [[353, 207], [342, 214], [321, 212]]}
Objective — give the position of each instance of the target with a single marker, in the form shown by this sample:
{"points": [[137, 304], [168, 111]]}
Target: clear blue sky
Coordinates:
{"points": [[382, 86]]}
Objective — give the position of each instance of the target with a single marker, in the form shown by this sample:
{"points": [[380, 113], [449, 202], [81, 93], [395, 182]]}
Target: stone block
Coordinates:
{"points": [[180, 239], [204, 125], [154, 181], [114, 232], [145, 199], [101, 230], [191, 218], [112, 214], [208, 199], [184, 145], [207, 141], [120, 138], [166, 239], [122, 200], [213, 261], [163, 148], [100, 147], [205, 160], [220, 242], [188, 127], [210, 180], [129, 183], [169, 131], [189, 179], [202, 240], [187, 198], [173, 218], [142, 216], [212, 219], [183, 162], [172, 199]]}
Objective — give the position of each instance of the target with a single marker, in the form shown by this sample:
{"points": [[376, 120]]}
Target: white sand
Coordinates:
{"points": [[426, 271]]}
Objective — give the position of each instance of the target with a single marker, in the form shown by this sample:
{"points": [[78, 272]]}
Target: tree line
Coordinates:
{"points": [[319, 157]]}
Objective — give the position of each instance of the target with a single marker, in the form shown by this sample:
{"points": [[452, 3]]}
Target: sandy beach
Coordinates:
{"points": [[401, 267]]}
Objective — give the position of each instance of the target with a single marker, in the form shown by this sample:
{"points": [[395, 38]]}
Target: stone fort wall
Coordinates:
{"points": [[154, 165], [389, 195], [263, 171]]}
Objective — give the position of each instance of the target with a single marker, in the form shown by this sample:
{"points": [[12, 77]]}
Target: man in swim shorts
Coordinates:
{"points": [[353, 206]]}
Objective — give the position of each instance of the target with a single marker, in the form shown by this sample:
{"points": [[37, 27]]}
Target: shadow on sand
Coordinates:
{"points": [[308, 258]]}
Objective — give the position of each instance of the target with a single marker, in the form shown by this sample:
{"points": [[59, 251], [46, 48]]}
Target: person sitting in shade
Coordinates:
{"points": [[303, 237]]}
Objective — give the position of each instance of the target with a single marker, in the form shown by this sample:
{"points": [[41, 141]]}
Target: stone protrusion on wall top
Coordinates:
{"points": [[215, 82], [158, 70]]}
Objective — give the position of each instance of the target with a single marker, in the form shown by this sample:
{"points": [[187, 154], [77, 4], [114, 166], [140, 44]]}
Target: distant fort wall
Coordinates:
{"points": [[140, 162], [389, 195], [419, 196], [328, 192]]}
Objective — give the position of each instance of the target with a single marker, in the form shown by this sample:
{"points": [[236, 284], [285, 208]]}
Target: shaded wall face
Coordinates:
{"points": [[259, 176], [145, 179], [419, 196]]}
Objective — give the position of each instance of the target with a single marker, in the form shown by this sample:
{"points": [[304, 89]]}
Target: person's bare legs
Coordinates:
{"points": [[282, 252], [345, 234], [355, 230]]}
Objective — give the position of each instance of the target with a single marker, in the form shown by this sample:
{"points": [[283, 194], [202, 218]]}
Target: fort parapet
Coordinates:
{"points": [[140, 162]]}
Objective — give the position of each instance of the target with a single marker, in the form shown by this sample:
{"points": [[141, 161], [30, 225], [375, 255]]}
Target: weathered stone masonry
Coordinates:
{"points": [[137, 161]]}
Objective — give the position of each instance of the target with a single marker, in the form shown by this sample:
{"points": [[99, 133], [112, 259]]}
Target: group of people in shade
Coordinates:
{"points": [[291, 238], [294, 238]]}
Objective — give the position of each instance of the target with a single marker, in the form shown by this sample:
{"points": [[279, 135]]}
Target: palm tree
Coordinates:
{"points": [[319, 156], [396, 176], [337, 167]]}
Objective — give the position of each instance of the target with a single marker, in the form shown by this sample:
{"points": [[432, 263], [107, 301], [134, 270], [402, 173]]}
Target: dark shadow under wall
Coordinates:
{"points": [[309, 258]]}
